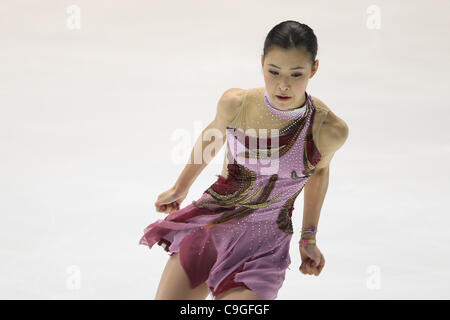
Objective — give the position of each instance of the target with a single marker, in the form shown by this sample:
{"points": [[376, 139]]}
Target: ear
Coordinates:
{"points": [[315, 66]]}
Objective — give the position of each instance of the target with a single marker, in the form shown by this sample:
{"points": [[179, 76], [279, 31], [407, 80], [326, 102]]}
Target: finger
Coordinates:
{"points": [[318, 267], [172, 207], [316, 270], [311, 266], [307, 268], [322, 263], [315, 265], [312, 269], [302, 268], [166, 208]]}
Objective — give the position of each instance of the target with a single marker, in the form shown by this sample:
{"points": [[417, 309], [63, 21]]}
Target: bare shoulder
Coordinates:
{"points": [[234, 97], [332, 133], [230, 103], [332, 122]]}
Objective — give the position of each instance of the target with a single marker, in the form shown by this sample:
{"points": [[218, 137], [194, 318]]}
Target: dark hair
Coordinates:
{"points": [[292, 34]]}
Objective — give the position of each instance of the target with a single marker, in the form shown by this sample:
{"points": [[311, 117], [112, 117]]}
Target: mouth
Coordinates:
{"points": [[283, 98]]}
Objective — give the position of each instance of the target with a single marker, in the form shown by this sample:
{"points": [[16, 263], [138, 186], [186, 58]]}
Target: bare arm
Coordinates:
{"points": [[227, 109], [334, 136]]}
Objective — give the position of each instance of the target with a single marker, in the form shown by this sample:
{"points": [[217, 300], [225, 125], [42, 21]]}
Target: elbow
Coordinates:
{"points": [[321, 171]]}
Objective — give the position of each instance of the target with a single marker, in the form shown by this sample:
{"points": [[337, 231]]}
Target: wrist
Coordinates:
{"points": [[180, 188], [309, 232], [307, 242]]}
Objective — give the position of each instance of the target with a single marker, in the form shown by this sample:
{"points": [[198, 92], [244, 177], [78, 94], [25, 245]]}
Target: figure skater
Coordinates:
{"points": [[233, 242]]}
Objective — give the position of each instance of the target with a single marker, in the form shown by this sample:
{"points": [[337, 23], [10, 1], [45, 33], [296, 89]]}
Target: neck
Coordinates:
{"points": [[289, 113], [299, 105]]}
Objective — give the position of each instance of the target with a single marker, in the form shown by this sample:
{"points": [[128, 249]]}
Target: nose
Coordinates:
{"points": [[284, 86]]}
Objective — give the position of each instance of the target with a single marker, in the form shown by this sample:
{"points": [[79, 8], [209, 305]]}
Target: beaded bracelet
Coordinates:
{"points": [[307, 232], [307, 241]]}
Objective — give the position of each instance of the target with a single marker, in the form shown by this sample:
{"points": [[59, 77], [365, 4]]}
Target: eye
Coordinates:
{"points": [[296, 75]]}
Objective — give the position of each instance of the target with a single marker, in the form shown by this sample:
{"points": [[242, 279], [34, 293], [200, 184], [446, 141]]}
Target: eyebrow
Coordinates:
{"points": [[299, 67]]}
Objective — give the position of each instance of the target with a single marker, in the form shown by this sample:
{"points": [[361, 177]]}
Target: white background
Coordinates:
{"points": [[87, 117]]}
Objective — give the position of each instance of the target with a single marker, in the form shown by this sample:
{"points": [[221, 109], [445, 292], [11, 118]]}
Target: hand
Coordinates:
{"points": [[312, 259], [170, 200]]}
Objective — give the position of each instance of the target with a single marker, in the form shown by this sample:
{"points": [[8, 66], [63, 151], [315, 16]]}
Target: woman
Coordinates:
{"points": [[234, 240]]}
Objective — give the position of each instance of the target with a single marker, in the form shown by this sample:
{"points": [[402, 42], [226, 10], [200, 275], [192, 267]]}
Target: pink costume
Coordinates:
{"points": [[238, 232]]}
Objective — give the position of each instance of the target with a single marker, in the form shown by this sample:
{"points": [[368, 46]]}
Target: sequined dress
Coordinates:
{"points": [[239, 231]]}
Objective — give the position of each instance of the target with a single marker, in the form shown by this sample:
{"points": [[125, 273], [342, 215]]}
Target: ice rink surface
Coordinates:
{"points": [[94, 96]]}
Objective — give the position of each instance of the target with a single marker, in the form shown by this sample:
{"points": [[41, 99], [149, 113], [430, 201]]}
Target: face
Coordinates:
{"points": [[287, 72]]}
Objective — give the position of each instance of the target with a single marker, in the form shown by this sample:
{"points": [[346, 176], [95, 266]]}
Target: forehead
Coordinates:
{"points": [[287, 58]]}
